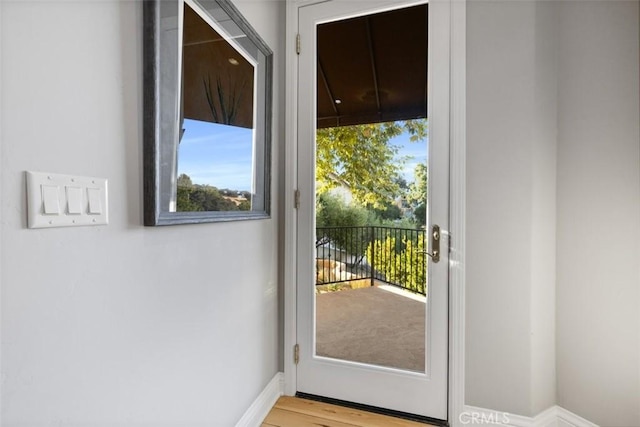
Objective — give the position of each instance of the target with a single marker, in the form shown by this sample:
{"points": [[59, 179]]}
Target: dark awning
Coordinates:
{"points": [[373, 68]]}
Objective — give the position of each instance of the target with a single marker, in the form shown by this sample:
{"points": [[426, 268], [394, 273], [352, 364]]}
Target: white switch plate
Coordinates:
{"points": [[40, 184]]}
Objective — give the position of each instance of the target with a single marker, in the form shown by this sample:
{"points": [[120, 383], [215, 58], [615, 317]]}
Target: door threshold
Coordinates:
{"points": [[375, 409]]}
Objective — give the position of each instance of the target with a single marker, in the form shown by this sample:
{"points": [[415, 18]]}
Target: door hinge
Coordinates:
{"points": [[296, 199], [296, 354], [298, 43]]}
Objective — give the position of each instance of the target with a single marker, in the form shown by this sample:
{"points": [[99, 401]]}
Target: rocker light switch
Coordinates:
{"points": [[50, 199], [55, 200], [95, 207], [74, 200]]}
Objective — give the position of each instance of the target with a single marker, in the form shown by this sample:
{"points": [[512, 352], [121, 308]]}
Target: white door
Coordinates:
{"points": [[421, 392]]}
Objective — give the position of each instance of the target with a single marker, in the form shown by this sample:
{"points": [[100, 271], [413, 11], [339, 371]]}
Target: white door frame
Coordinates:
{"points": [[457, 203]]}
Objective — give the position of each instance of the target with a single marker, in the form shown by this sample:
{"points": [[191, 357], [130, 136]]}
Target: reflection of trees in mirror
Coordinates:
{"points": [[197, 198]]}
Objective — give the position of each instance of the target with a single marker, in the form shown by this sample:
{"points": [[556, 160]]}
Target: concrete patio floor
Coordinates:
{"points": [[372, 325]]}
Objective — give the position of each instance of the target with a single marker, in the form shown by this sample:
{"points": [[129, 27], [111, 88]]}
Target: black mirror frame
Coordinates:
{"points": [[154, 215]]}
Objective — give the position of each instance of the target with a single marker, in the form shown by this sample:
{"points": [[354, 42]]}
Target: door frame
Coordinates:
{"points": [[457, 132]]}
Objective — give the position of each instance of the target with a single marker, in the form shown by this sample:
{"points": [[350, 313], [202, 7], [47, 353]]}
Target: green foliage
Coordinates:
{"points": [[417, 194], [420, 215], [361, 158], [185, 181], [332, 211], [244, 205], [388, 212], [184, 202], [402, 184], [401, 262], [399, 223], [196, 197]]}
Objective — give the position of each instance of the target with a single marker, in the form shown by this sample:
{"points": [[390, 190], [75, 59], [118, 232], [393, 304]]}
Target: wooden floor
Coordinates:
{"points": [[296, 412]]}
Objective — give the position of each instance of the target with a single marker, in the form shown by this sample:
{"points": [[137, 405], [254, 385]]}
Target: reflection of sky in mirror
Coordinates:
{"points": [[217, 155]]}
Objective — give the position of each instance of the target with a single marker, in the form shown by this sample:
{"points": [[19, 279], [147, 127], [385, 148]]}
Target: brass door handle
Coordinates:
{"points": [[435, 244]]}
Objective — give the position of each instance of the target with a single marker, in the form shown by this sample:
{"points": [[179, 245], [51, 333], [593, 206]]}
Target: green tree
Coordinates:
{"points": [[196, 197], [388, 212], [417, 194], [362, 159], [332, 211], [185, 181], [400, 262], [332, 215], [420, 214], [402, 183], [183, 202], [210, 199]]}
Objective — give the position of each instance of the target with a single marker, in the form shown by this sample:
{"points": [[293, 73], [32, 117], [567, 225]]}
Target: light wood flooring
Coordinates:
{"points": [[296, 412]]}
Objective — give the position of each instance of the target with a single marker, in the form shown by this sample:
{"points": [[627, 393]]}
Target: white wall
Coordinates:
{"points": [[543, 209], [120, 325], [553, 220], [1, 215], [599, 212], [510, 341]]}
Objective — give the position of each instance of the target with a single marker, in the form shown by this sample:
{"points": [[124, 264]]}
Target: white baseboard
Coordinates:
{"points": [[547, 418], [569, 419], [263, 403], [555, 416], [472, 416]]}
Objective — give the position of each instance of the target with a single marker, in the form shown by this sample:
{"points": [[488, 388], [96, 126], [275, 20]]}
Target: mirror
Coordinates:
{"points": [[207, 114]]}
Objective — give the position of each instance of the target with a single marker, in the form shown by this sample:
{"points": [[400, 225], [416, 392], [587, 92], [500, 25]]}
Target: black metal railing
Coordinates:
{"points": [[370, 254]]}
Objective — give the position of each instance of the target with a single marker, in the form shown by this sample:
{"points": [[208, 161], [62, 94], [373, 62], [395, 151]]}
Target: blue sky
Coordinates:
{"points": [[215, 154], [220, 155], [416, 150]]}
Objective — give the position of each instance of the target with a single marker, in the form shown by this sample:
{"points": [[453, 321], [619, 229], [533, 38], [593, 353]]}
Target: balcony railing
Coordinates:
{"points": [[370, 254]]}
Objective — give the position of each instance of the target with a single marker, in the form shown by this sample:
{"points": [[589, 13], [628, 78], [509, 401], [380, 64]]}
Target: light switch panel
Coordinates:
{"points": [[55, 200]]}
